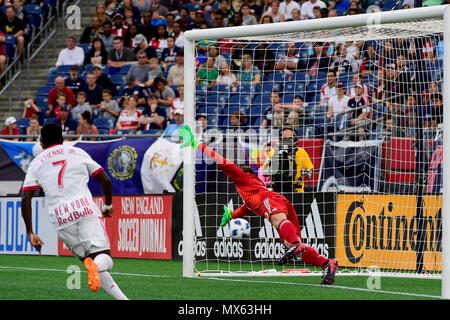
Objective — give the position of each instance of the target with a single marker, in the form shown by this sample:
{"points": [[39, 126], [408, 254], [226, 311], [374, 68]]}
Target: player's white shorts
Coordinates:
{"points": [[86, 236]]}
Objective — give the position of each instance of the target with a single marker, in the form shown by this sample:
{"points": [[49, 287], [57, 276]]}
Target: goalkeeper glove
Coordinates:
{"points": [[226, 216], [188, 138]]}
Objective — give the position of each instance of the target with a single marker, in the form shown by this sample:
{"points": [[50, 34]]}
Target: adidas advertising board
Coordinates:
{"points": [[315, 213]]}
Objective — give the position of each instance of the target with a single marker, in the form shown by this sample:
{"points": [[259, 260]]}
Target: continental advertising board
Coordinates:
{"points": [[383, 231]]}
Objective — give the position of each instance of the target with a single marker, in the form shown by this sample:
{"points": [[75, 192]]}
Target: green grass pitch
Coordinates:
{"points": [[46, 277]]}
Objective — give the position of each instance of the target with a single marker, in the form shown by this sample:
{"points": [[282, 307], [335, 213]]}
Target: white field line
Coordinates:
{"points": [[238, 280]]}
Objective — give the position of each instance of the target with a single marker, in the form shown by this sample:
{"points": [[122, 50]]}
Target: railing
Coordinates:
{"points": [[84, 137], [9, 76]]}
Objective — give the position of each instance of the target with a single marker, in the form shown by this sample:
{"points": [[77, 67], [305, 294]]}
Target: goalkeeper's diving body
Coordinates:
{"points": [[261, 201]]}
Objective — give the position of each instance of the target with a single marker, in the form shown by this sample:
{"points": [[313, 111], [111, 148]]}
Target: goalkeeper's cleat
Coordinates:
{"points": [[226, 216], [294, 251], [188, 138], [329, 271], [93, 276]]}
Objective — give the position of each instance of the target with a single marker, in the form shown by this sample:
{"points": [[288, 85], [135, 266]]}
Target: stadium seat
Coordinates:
{"points": [[118, 79], [50, 120], [261, 99], [10, 46], [152, 131], [35, 12], [23, 124], [64, 70], [43, 91], [104, 123], [125, 132]]}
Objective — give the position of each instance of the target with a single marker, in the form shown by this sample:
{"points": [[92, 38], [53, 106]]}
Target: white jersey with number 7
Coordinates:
{"points": [[63, 173]]}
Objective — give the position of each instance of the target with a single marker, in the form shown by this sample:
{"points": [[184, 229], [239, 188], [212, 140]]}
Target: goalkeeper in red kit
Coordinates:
{"points": [[261, 201]]}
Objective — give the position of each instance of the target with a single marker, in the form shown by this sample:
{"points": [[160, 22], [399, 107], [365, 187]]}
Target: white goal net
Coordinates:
{"points": [[353, 116]]}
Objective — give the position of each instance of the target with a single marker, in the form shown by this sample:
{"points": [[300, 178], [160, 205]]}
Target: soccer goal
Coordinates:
{"points": [[363, 96]]}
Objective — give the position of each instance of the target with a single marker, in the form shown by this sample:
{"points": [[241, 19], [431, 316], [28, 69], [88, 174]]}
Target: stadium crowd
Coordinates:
{"points": [[125, 74]]}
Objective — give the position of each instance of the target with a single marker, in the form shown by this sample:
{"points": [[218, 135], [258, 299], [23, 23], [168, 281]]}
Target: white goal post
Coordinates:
{"points": [[317, 29]]}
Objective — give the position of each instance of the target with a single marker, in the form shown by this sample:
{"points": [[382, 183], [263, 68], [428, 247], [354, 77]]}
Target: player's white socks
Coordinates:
{"points": [[104, 264]]}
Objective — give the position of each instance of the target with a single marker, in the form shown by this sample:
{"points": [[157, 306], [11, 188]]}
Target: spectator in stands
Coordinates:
{"points": [[118, 28], [82, 105], [218, 21], [56, 111], [359, 105], [274, 115], [307, 10], [60, 88], [71, 55], [318, 61], [129, 117], [171, 132], [128, 18], [274, 12], [162, 10], [159, 43], [169, 54], [103, 80], [30, 108], [342, 62], [119, 56], [93, 90], [264, 58], [266, 19], [67, 124], [85, 124], [107, 37], [293, 113], [110, 9], [140, 70], [177, 103], [97, 54], [164, 93], [175, 75], [15, 26], [173, 6], [156, 116], [74, 82], [100, 12], [288, 61], [141, 44], [207, 74], [437, 110], [157, 19], [328, 90], [128, 4], [370, 61], [155, 72], [133, 88], [226, 77], [34, 129], [248, 18], [286, 8], [358, 79], [184, 18], [109, 108], [21, 13], [213, 51], [3, 55], [248, 73], [92, 32], [238, 120], [146, 27], [338, 103], [130, 34], [178, 33], [11, 128]]}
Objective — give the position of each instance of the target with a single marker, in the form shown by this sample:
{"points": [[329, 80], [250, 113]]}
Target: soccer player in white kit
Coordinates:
{"points": [[63, 173]]}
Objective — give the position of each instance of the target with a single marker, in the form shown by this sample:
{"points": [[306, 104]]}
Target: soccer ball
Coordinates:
{"points": [[239, 228]]}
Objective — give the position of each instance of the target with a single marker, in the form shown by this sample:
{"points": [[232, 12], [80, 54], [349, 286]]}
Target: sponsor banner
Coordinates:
{"points": [[13, 235], [315, 213], [382, 231], [343, 159], [140, 227]]}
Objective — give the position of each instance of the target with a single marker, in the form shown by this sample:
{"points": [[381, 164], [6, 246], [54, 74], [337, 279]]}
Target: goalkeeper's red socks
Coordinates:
{"points": [[287, 231], [310, 256]]}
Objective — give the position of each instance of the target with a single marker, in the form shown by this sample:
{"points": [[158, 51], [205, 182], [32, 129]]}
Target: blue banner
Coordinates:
{"points": [[351, 166]]}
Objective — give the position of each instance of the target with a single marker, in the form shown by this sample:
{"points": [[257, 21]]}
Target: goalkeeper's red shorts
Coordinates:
{"points": [[276, 203]]}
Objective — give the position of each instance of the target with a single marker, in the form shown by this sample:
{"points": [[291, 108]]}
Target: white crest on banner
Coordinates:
{"points": [[159, 166]]}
